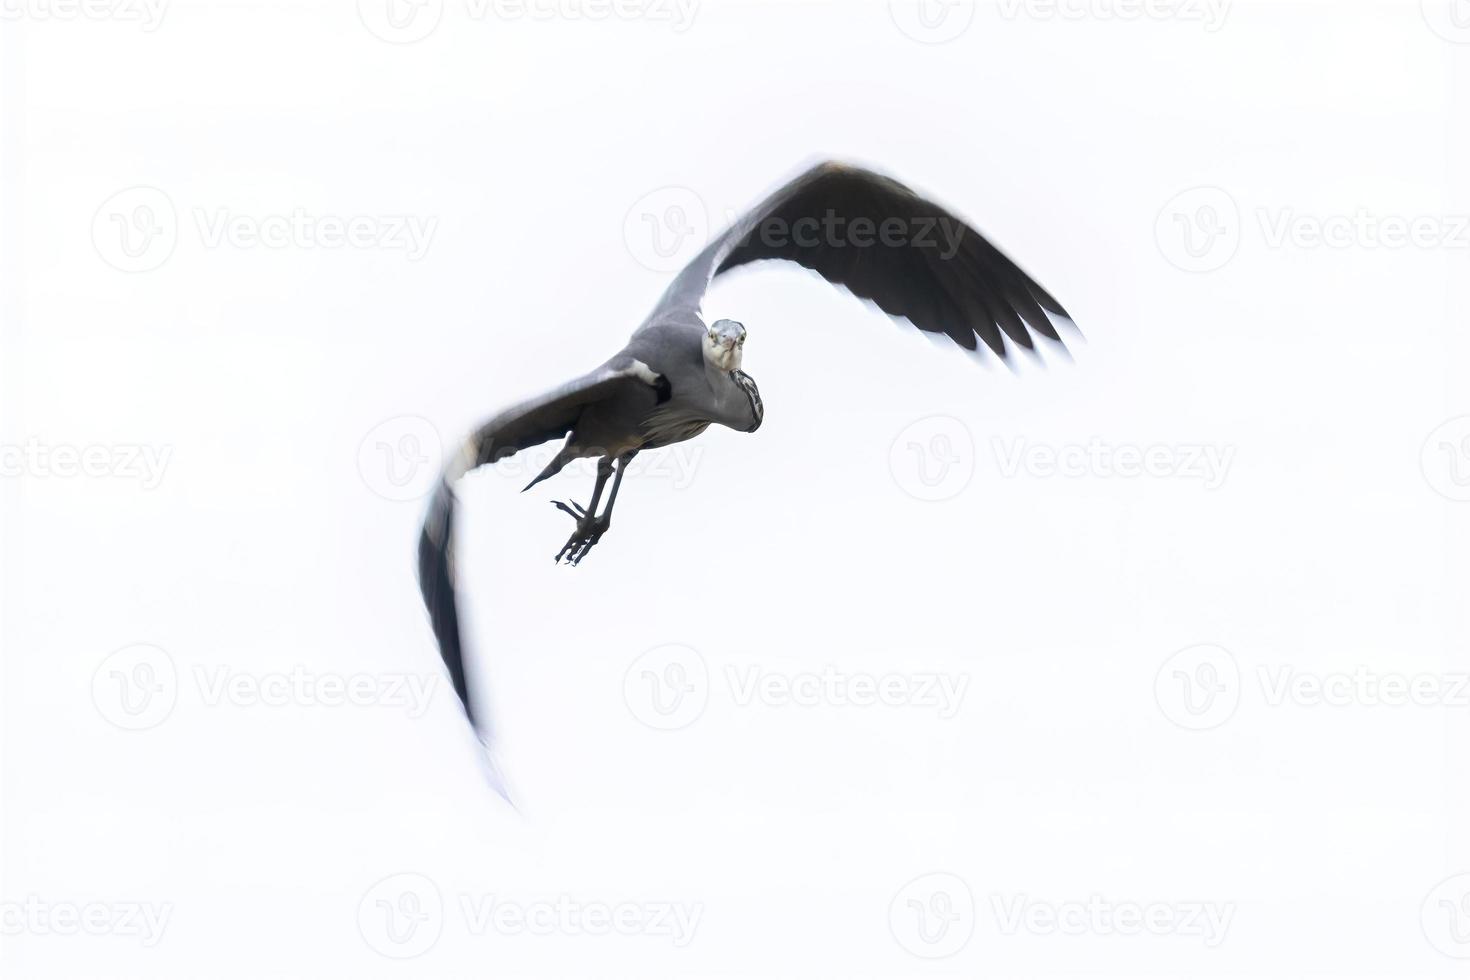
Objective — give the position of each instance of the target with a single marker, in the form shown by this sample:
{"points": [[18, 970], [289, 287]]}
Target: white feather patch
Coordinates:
{"points": [[643, 372]]}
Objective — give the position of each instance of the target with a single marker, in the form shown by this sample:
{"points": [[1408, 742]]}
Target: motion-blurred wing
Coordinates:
{"points": [[550, 416]]}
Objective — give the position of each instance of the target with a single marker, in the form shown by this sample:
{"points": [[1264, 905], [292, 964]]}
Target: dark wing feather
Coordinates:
{"points": [[929, 267], [540, 420]]}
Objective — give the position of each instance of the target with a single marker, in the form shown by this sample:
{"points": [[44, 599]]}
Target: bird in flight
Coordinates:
{"points": [[677, 375]]}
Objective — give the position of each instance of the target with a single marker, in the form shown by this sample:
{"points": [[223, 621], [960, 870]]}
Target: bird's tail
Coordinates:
{"points": [[437, 584]]}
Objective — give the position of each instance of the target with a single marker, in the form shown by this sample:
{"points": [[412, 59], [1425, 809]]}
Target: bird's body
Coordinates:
{"points": [[683, 392], [677, 376]]}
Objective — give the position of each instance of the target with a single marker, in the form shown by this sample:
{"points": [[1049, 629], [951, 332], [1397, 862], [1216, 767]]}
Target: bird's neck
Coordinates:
{"points": [[739, 400]]}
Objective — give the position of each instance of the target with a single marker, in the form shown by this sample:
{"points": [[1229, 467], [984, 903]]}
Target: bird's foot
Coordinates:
{"points": [[589, 531]]}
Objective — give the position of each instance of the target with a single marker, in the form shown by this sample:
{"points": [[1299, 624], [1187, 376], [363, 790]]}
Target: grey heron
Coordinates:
{"points": [[678, 375]]}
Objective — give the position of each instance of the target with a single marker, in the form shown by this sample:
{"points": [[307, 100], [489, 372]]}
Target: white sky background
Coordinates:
{"points": [[535, 148]]}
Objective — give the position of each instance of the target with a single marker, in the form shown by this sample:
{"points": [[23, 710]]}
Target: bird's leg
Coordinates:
{"points": [[612, 497], [590, 526], [578, 544]]}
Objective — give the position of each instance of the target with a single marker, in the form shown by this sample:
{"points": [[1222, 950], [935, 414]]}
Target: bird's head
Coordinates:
{"points": [[723, 343]]}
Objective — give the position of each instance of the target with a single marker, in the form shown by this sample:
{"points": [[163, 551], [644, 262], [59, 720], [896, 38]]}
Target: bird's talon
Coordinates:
{"points": [[589, 531]]}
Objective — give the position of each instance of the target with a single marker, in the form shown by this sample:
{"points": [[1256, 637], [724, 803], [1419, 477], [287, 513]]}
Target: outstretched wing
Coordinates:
{"points": [[539, 420], [888, 245]]}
